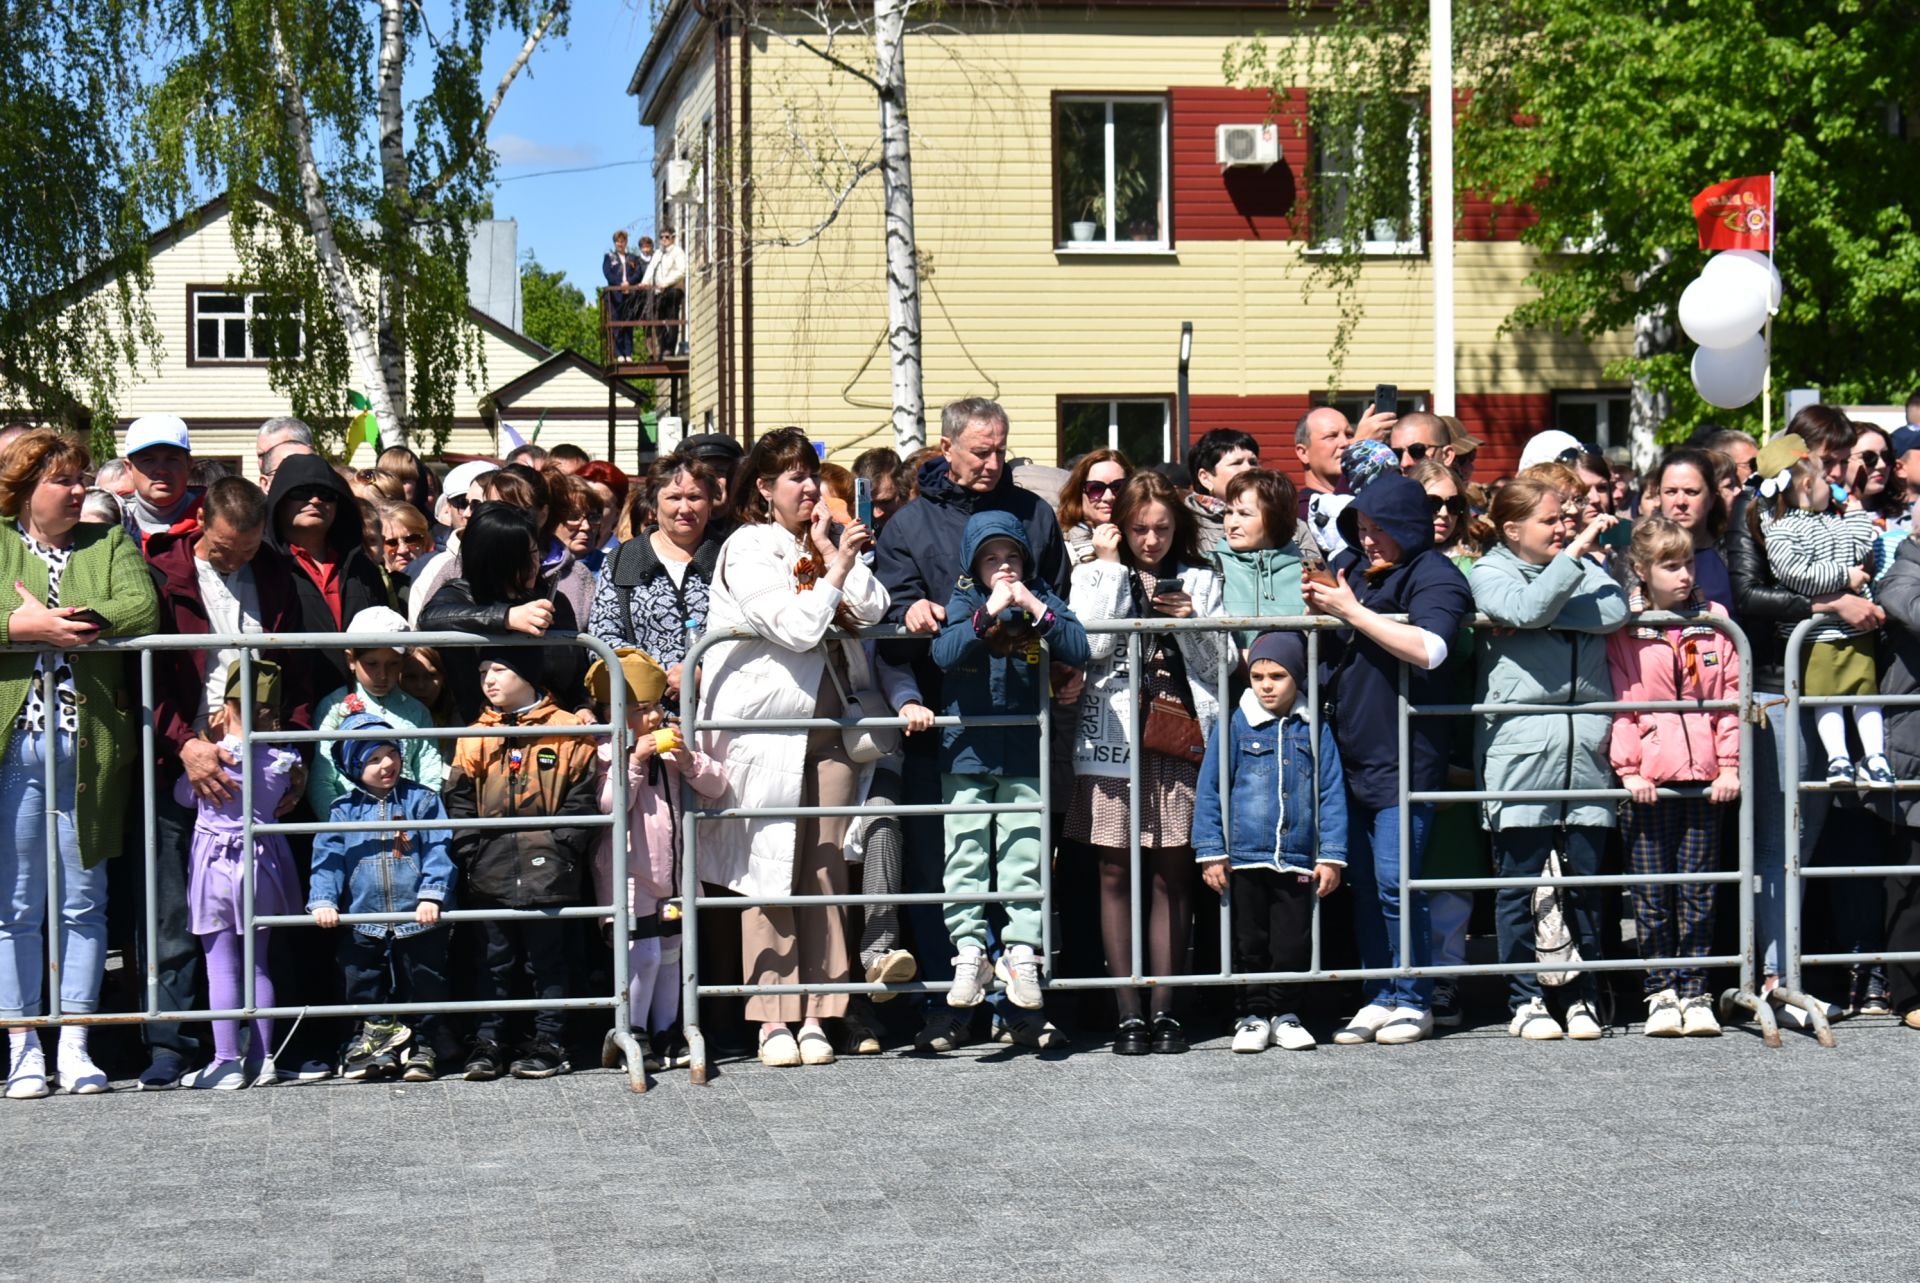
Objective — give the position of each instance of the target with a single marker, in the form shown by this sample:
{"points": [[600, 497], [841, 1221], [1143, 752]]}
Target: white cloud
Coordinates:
{"points": [[514, 151]]}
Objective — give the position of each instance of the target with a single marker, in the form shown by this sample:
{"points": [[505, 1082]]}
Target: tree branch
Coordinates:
{"points": [[826, 55], [533, 40], [820, 229]]}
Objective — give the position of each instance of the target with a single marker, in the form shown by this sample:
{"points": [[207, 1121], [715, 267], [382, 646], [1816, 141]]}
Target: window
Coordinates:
{"points": [[1354, 404], [1110, 173], [1139, 427], [249, 328], [1350, 168], [1597, 418]]}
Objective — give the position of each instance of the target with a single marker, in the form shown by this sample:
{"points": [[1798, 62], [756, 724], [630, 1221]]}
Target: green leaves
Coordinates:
{"points": [[555, 312]]}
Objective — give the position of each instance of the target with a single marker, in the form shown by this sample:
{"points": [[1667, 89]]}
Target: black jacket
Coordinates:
{"points": [[1759, 602], [453, 609], [361, 584], [918, 558]]}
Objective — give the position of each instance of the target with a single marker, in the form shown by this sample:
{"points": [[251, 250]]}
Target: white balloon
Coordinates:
{"points": [[1717, 315], [1744, 269], [1731, 377]]}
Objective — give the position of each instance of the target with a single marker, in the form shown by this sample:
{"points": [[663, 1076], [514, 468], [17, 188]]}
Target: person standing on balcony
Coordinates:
{"points": [[666, 286], [623, 272]]}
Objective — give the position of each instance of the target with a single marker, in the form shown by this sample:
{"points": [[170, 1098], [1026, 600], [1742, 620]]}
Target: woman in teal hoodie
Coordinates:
{"points": [[1259, 562]]}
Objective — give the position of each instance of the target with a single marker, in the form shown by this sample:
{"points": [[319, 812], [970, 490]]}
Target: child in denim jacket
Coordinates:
{"points": [[1280, 855], [403, 871], [994, 663]]}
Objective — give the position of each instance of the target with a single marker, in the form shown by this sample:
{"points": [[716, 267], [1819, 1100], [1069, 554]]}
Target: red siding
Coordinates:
{"points": [[1501, 420], [1241, 203], [1482, 220]]}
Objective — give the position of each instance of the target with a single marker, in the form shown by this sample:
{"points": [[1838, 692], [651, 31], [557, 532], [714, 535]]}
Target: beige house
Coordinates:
{"points": [[1072, 211], [210, 369]]}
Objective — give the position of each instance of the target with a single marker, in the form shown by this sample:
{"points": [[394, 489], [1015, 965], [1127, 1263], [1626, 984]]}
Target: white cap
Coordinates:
{"points": [[156, 429], [1545, 447], [460, 478], [379, 619]]}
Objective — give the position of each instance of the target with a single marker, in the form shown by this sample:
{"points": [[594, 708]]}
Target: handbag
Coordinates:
{"points": [[1171, 730], [1552, 936], [863, 744]]}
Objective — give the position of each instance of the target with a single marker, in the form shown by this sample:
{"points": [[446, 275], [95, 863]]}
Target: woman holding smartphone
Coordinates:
{"points": [[1147, 563]]}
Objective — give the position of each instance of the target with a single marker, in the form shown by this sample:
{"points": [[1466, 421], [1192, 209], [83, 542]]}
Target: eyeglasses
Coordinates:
{"points": [[409, 540], [1455, 504], [1416, 451], [1102, 489]]}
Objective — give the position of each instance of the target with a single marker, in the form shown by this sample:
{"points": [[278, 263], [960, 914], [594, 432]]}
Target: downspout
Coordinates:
{"points": [[722, 207], [746, 227]]}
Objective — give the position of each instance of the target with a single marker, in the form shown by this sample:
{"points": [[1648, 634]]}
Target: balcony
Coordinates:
{"points": [[643, 332]]}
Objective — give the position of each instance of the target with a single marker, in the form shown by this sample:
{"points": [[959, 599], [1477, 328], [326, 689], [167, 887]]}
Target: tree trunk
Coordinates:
{"points": [[903, 265], [1652, 336], [390, 323], [333, 263]]}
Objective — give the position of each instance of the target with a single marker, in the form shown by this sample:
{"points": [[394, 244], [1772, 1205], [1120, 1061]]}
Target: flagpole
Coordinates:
{"points": [[1766, 382]]}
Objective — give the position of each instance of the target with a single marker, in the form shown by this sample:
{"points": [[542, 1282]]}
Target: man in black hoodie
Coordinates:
{"points": [[315, 524], [918, 559]]}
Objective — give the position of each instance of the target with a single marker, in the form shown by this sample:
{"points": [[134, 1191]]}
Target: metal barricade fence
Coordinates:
{"points": [[1792, 982], [619, 1045], [1743, 997]]}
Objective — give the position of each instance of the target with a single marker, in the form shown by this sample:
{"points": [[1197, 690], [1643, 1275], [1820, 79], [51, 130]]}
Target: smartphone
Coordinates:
{"points": [[92, 618], [1166, 584], [863, 501], [1319, 574], [1386, 398]]}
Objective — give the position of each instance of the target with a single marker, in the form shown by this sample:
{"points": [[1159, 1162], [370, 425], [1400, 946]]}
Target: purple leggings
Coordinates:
{"points": [[225, 959]]}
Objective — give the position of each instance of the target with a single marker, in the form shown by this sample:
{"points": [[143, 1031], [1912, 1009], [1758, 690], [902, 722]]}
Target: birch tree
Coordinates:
{"points": [[370, 196]]}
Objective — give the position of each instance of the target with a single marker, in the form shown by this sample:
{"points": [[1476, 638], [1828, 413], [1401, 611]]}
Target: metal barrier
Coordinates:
{"points": [[1742, 997], [619, 1044], [1793, 958]]}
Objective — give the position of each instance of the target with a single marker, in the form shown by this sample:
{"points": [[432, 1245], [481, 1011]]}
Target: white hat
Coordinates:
{"points": [[460, 478], [379, 619], [1545, 447], [156, 429]]}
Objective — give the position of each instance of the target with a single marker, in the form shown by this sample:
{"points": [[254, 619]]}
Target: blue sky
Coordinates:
{"points": [[569, 110]]}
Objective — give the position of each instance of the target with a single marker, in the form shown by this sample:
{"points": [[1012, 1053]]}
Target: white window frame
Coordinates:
{"points": [[1113, 405], [1113, 244], [1416, 212], [250, 302], [1605, 431]]}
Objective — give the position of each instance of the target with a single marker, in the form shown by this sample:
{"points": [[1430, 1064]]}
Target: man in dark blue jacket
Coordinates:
{"points": [[918, 559]]}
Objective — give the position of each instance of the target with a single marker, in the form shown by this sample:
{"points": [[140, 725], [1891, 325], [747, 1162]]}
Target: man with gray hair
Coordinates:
{"points": [[279, 430], [114, 478], [272, 460]]}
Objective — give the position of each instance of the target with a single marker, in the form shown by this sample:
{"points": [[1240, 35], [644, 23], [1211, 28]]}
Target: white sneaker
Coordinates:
{"points": [[1250, 1035], [1699, 1020], [263, 1073], [1534, 1023], [79, 1076], [1663, 1015], [1409, 1024], [970, 976], [1583, 1025], [1365, 1024], [27, 1075], [1019, 971], [221, 1075], [1290, 1035]]}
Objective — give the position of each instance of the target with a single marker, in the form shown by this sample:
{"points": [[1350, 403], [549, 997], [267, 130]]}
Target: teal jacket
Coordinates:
{"points": [[107, 574], [1266, 582]]}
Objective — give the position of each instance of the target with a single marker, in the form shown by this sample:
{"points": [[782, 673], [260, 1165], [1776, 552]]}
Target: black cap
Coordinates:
{"points": [[709, 446]]}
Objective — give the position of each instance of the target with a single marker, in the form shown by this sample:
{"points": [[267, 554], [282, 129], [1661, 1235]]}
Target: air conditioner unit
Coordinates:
{"points": [[1246, 145], [679, 175]]}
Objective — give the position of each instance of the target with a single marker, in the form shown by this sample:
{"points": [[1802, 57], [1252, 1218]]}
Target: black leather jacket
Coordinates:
{"points": [[1760, 605], [453, 609]]}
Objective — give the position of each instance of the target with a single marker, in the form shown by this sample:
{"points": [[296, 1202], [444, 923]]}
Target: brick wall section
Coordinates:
{"points": [[1243, 203]]}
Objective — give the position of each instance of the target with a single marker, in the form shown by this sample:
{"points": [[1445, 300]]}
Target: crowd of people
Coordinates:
{"points": [[1260, 802]]}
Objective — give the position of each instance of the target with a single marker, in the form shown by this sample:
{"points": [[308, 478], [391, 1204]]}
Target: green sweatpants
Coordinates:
{"points": [[972, 866]]}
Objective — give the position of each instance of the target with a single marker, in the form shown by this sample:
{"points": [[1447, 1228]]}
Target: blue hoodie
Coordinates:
{"points": [[1425, 585], [995, 664], [380, 872]]}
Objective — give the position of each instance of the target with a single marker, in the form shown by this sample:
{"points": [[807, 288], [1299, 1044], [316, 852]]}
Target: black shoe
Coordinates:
{"points": [[385, 1065], [1132, 1040], [542, 1060], [1168, 1038], [421, 1066], [486, 1063]]}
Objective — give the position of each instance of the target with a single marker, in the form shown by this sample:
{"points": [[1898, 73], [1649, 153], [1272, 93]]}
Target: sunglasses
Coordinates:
{"points": [[1872, 458], [1455, 504], [409, 540], [1573, 454], [1102, 489], [457, 502], [1416, 451], [300, 498]]}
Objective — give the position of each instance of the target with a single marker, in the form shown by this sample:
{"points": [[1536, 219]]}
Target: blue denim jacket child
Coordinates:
{"points": [[1269, 778], [381, 872]]}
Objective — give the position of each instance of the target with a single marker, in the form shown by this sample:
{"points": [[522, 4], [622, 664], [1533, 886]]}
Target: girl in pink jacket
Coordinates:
{"points": [[1649, 750], [656, 765]]}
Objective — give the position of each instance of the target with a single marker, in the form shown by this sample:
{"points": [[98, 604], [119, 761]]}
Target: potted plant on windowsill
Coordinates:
{"points": [[1094, 218]]}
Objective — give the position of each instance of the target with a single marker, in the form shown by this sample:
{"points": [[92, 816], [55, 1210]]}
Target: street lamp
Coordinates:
{"points": [[1186, 406]]}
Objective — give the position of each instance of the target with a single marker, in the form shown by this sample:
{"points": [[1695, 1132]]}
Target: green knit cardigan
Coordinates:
{"points": [[108, 574]]}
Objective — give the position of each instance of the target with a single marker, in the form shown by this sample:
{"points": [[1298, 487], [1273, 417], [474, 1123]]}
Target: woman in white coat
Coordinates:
{"points": [[783, 578], [1146, 563]]}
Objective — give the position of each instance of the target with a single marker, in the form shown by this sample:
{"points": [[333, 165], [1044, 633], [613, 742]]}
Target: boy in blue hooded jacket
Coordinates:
{"points": [[993, 662], [397, 871]]}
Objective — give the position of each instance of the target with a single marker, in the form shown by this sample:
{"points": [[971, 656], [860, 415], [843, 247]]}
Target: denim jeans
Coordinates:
{"points": [[1769, 825], [377, 969], [23, 876], [1373, 871], [1522, 852]]}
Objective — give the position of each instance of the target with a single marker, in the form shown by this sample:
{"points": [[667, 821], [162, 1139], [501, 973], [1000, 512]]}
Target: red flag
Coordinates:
{"points": [[1736, 214]]}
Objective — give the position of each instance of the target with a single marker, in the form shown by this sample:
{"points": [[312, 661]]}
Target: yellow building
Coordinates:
{"points": [[1072, 213]]}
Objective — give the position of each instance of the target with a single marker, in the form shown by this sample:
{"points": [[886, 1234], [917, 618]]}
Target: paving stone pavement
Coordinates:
{"points": [[1470, 1157]]}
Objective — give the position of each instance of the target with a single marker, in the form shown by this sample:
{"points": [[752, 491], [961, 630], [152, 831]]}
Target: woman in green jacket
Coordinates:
{"points": [[70, 585]]}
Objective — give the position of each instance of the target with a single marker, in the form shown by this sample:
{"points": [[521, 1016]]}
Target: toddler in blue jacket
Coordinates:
{"points": [[1280, 855], [993, 662]]}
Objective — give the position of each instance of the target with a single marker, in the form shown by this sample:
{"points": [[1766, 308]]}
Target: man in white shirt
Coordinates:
{"points": [[666, 283]]}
